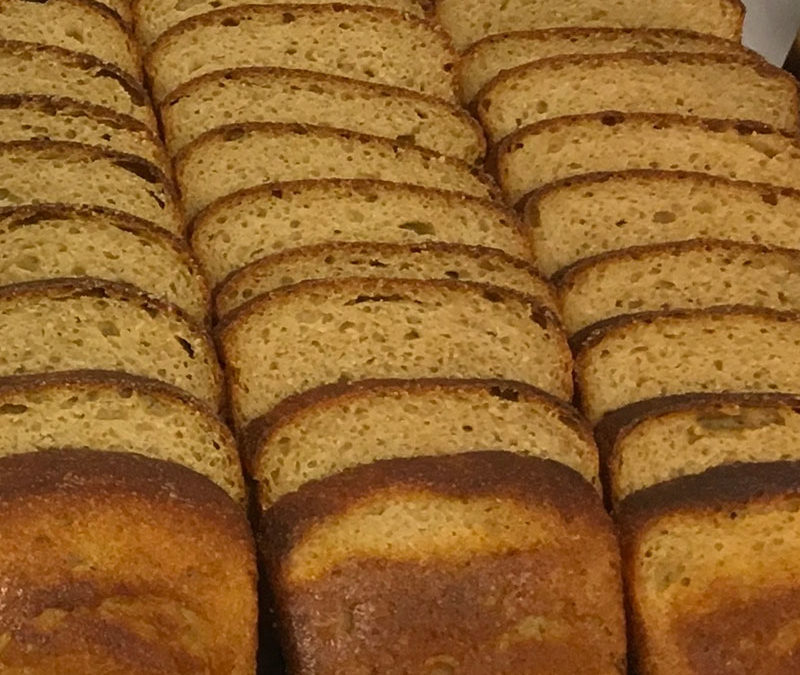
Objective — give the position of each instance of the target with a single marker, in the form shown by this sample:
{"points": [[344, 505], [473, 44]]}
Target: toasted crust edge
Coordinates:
{"points": [[496, 474]]}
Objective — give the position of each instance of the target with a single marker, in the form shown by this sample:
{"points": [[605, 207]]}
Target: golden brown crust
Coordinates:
{"points": [[720, 488], [565, 278], [257, 434], [631, 59], [234, 131], [527, 480], [279, 189], [355, 248], [539, 313], [104, 475], [589, 337], [77, 603], [453, 610], [713, 637], [353, 85]]}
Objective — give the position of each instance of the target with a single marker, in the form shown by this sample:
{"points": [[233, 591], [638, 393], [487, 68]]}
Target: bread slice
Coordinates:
{"points": [[487, 58], [239, 156], [594, 214], [485, 562], [343, 330], [120, 413], [283, 95], [467, 21], [154, 17], [27, 68], [336, 427], [31, 117], [652, 354], [66, 325], [686, 435], [59, 241], [724, 86], [693, 274], [711, 564], [50, 172], [571, 146], [399, 261], [79, 25], [102, 548], [373, 44], [242, 228]]}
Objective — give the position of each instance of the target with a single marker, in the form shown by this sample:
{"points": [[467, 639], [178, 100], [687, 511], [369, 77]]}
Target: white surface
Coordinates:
{"points": [[770, 27]]}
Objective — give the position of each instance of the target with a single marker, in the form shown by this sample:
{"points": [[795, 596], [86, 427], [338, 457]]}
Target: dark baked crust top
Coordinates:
{"points": [[497, 474]]}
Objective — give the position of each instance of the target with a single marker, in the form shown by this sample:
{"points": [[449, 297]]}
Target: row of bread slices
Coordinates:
{"points": [[116, 556], [381, 325], [673, 243]]}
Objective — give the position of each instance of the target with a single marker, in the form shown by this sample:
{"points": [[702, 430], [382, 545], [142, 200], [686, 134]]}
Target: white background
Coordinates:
{"points": [[770, 27]]}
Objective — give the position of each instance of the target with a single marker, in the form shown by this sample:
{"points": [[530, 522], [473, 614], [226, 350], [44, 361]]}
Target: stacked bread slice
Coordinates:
{"points": [[123, 498], [657, 174], [366, 276]]}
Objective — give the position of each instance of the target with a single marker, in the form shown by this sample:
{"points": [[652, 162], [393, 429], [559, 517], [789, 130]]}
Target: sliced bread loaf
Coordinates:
{"points": [[27, 68], [635, 358], [49, 172], [483, 562], [154, 17], [467, 21], [320, 332], [366, 43], [120, 413], [333, 428], [248, 225], [487, 58], [590, 215], [59, 241], [400, 261], [103, 549], [723, 86], [712, 572], [66, 325], [82, 26], [31, 117], [686, 435], [571, 146], [283, 95], [693, 274], [239, 156]]}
